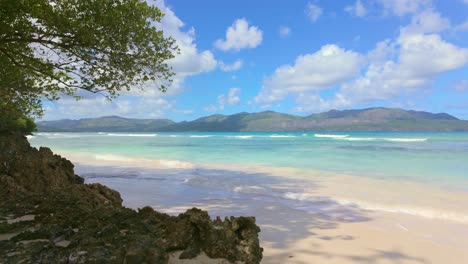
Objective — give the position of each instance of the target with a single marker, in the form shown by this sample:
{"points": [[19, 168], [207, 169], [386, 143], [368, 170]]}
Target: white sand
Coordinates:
{"points": [[370, 221]]}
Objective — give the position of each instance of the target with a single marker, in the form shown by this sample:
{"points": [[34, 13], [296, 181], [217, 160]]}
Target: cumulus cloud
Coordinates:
{"points": [[395, 68], [191, 61], [239, 36], [313, 12], [231, 67], [323, 69], [404, 7], [463, 26], [232, 98], [420, 58], [357, 9], [427, 21], [284, 32]]}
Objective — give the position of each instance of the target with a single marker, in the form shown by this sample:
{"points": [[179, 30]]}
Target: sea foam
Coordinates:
{"points": [[415, 211], [405, 139], [132, 135], [282, 136], [200, 136], [358, 138], [330, 136], [429, 213], [241, 136]]}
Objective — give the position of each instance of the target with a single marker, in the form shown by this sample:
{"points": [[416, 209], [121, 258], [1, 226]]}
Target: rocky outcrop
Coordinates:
{"points": [[48, 215]]}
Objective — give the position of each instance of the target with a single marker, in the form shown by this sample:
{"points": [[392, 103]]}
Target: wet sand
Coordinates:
{"points": [[367, 220]]}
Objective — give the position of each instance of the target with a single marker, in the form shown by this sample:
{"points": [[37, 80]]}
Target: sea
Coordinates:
{"points": [[421, 174]]}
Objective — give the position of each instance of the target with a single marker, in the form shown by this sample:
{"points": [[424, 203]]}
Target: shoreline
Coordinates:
{"points": [[347, 190], [338, 232]]}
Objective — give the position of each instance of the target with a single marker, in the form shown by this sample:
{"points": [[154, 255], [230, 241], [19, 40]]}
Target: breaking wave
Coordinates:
{"points": [[241, 136], [132, 135], [282, 136], [330, 136], [405, 139]]}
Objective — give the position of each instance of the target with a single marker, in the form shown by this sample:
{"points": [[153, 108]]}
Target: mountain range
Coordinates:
{"points": [[369, 119]]}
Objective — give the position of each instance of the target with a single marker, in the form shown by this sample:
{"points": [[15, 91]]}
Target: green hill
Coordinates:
{"points": [[370, 119]]}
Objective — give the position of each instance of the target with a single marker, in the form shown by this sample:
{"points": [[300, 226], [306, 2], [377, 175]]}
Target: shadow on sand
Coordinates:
{"points": [[286, 209]]}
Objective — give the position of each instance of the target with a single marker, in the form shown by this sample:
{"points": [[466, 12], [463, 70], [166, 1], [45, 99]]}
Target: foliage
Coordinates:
{"points": [[53, 47], [11, 119]]}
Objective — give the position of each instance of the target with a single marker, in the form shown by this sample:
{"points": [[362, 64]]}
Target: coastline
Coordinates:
{"points": [[342, 226]]}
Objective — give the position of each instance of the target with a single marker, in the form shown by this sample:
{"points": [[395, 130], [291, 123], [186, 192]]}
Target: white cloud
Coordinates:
{"points": [[405, 66], [232, 98], [463, 26], [211, 108], [420, 59], [427, 21], [313, 12], [357, 9], [140, 107], [191, 61], [404, 7], [240, 35], [461, 86], [311, 72], [284, 32], [231, 67]]}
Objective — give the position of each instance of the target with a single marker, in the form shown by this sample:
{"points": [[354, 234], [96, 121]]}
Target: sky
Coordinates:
{"points": [[300, 57]]}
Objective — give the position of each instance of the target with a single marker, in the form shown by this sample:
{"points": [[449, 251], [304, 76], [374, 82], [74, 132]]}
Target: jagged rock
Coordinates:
{"points": [[86, 223]]}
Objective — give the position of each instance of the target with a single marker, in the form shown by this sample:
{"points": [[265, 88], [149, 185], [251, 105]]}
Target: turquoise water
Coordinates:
{"points": [[440, 158]]}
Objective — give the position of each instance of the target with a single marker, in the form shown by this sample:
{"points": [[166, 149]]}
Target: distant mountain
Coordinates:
{"points": [[103, 124], [370, 119]]}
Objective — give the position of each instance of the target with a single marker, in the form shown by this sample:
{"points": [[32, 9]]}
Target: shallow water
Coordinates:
{"points": [[422, 174], [425, 157]]}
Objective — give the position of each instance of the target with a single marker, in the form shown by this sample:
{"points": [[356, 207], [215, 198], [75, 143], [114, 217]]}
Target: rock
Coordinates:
{"points": [[21, 219], [63, 220], [78, 257], [63, 243]]}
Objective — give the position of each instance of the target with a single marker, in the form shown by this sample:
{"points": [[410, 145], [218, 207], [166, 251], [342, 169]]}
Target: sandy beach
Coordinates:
{"points": [[353, 219]]}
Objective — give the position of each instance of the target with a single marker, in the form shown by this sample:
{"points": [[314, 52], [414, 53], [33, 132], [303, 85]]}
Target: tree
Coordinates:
{"points": [[50, 48]]}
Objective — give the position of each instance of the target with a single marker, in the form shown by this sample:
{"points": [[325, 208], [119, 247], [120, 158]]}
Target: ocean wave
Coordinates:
{"points": [[430, 213], [241, 136], [30, 136], [248, 189], [358, 139], [382, 139], [330, 136], [415, 211], [174, 164], [282, 136], [60, 135], [200, 136], [173, 136], [406, 139], [297, 196], [131, 135]]}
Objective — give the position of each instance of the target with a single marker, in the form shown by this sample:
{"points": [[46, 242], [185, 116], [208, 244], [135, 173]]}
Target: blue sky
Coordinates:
{"points": [[301, 57]]}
